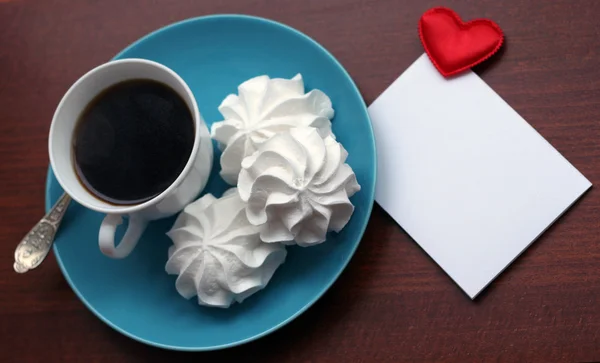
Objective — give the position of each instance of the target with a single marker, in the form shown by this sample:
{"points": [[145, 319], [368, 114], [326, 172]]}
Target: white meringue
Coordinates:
{"points": [[297, 186], [263, 108], [218, 254]]}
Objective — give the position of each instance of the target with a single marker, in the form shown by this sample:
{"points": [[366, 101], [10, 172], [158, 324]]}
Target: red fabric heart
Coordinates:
{"points": [[453, 45]]}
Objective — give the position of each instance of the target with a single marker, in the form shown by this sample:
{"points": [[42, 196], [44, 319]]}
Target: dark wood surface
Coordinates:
{"points": [[393, 303]]}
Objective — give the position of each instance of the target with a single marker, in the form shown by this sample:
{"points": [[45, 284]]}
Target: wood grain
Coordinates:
{"points": [[392, 304]]}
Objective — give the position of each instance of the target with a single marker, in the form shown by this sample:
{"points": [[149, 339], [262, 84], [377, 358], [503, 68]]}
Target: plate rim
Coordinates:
{"points": [[326, 287]]}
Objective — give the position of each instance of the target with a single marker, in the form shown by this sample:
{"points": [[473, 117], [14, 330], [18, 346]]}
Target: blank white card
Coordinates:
{"points": [[464, 175]]}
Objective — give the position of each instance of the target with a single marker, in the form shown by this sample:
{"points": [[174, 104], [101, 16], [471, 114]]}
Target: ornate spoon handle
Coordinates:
{"points": [[34, 247]]}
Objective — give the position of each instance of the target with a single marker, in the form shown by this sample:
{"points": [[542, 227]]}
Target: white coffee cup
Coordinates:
{"points": [[184, 189]]}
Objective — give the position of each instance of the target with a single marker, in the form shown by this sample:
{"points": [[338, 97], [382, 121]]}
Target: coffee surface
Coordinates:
{"points": [[132, 141]]}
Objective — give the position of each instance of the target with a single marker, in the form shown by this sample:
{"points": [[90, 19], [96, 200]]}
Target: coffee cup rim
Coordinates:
{"points": [[124, 209]]}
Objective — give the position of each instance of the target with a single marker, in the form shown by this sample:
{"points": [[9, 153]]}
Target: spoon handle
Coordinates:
{"points": [[34, 247]]}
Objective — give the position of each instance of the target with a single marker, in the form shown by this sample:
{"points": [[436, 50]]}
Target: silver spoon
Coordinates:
{"points": [[36, 244]]}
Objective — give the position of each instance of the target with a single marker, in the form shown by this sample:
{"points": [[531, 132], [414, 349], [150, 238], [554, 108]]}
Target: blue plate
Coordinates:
{"points": [[135, 296]]}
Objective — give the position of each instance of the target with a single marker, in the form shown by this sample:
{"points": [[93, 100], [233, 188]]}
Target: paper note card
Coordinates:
{"points": [[464, 175]]}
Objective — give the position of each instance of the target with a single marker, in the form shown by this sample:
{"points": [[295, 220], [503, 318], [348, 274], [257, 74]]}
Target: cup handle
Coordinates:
{"points": [[106, 236]]}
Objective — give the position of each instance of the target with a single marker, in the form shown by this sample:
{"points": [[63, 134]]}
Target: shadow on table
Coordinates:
{"points": [[491, 63]]}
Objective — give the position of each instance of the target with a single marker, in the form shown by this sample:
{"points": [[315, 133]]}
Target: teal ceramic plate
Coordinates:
{"points": [[135, 296]]}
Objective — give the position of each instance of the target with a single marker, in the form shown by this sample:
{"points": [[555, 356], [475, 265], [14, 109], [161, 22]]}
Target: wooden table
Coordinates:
{"points": [[393, 303]]}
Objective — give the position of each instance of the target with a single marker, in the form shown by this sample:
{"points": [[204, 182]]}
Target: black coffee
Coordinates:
{"points": [[132, 141]]}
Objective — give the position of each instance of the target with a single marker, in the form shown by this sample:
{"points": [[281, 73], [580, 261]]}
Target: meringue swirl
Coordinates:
{"points": [[264, 108], [217, 254], [297, 186]]}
